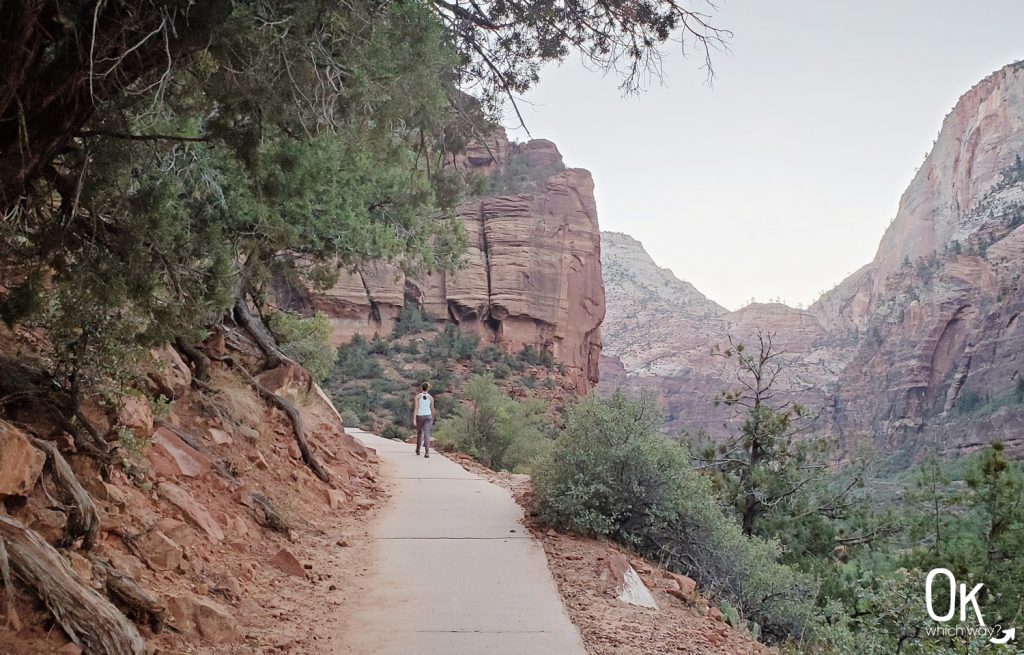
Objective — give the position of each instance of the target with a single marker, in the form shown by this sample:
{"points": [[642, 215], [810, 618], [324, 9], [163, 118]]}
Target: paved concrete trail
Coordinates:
{"points": [[455, 572]]}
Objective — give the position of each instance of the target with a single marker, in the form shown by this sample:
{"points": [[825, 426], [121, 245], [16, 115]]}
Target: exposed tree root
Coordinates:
{"points": [[141, 605], [261, 335], [199, 361], [267, 515], [11, 620], [83, 519], [293, 415], [300, 433], [89, 619]]}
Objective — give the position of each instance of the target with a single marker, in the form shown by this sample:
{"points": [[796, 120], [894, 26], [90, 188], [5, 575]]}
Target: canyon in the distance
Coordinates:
{"points": [[921, 347]]}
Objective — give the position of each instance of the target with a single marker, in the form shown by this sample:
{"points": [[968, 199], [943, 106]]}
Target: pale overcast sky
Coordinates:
{"points": [[779, 180]]}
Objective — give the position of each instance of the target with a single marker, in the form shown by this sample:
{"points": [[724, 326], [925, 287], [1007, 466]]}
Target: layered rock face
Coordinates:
{"points": [[922, 345], [660, 331], [532, 275]]}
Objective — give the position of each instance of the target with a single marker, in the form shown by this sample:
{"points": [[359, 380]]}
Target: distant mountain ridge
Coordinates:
{"points": [[922, 345]]}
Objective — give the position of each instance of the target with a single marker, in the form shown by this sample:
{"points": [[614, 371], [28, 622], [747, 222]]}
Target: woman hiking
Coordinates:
{"points": [[423, 415]]}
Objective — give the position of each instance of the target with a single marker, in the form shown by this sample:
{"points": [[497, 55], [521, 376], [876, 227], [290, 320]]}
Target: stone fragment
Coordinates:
{"points": [[20, 462], [194, 511], [286, 561]]}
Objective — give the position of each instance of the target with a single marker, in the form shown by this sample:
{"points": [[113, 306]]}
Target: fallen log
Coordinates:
{"points": [[89, 620]]}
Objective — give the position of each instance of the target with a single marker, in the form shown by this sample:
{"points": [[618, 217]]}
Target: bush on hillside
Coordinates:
{"points": [[306, 340], [411, 320], [355, 360], [499, 431], [611, 474]]}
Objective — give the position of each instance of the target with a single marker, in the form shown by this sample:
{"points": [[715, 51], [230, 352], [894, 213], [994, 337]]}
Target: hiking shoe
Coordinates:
{"points": [[417, 452], [427, 455]]}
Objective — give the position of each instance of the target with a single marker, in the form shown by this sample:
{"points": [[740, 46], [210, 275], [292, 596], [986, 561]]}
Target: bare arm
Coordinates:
{"points": [[433, 412]]}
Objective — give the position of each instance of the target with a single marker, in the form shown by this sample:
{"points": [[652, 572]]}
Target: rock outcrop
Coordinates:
{"points": [[532, 275], [920, 346]]}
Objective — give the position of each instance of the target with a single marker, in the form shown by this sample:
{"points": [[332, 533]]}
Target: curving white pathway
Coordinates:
{"points": [[455, 572]]}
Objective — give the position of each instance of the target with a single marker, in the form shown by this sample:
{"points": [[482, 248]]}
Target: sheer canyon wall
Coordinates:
{"points": [[922, 345], [532, 275]]}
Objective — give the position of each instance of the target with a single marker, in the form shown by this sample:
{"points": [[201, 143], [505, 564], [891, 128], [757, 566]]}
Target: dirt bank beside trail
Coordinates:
{"points": [[683, 622]]}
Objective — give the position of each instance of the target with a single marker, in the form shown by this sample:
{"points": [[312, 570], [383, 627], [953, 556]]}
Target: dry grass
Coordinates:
{"points": [[234, 400]]}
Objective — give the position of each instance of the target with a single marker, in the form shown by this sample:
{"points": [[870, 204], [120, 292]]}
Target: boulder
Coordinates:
{"points": [[193, 510], [617, 570], [136, 415], [20, 463], [220, 437], [336, 499], [48, 523], [178, 532], [207, 618], [160, 551], [170, 456], [683, 588], [286, 561], [170, 374]]}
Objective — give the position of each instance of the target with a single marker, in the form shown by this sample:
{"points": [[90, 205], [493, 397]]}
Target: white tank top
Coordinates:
{"points": [[423, 405]]}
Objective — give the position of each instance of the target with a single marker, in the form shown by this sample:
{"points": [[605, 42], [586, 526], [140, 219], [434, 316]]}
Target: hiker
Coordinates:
{"points": [[423, 415]]}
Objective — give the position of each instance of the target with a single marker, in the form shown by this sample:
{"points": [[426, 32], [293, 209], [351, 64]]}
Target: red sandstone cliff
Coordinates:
{"points": [[920, 346], [532, 275]]}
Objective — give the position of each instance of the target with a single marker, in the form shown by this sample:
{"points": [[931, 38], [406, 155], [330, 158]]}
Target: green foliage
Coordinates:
{"points": [[610, 473], [395, 431], [289, 145], [534, 357], [502, 432], [354, 360], [521, 176], [411, 320], [306, 340], [160, 407]]}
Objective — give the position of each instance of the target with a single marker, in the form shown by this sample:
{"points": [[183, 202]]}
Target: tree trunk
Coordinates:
{"points": [[90, 620], [142, 605], [83, 519], [199, 361], [261, 335]]}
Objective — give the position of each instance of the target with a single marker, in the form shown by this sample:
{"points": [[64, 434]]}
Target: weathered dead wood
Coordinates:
{"points": [[308, 456], [141, 605], [199, 361], [11, 619], [83, 519], [261, 335], [89, 619], [267, 515], [297, 427]]}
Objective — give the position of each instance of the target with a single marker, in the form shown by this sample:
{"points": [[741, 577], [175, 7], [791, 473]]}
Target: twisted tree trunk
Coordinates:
{"points": [[89, 619], [83, 519]]}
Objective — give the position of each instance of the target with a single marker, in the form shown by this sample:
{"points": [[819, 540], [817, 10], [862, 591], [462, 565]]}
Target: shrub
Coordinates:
{"points": [[412, 320], [502, 370], [350, 419], [355, 361], [395, 431], [499, 431], [306, 340], [611, 474], [465, 346], [534, 357]]}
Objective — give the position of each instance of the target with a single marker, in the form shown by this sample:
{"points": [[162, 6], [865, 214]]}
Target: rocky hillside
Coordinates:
{"points": [[199, 529], [532, 274], [921, 344]]}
